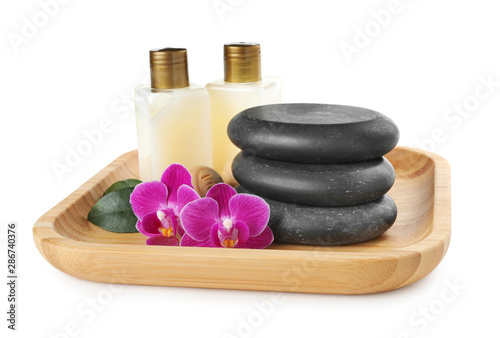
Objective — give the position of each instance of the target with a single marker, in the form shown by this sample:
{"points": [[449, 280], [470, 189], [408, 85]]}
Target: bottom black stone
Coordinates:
{"points": [[300, 224]]}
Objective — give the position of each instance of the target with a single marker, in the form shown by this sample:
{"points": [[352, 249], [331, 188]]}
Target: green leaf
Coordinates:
{"points": [[130, 183], [114, 213]]}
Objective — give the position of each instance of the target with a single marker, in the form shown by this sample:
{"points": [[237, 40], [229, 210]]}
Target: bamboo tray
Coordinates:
{"points": [[410, 250]]}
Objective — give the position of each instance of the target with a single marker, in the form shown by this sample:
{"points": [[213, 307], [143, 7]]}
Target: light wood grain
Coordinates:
{"points": [[410, 250]]}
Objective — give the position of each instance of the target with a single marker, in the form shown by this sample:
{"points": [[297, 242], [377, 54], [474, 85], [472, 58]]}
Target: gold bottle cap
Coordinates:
{"points": [[169, 68], [242, 62]]}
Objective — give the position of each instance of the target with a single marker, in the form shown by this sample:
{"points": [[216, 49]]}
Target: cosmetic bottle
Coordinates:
{"points": [[172, 116], [242, 88]]}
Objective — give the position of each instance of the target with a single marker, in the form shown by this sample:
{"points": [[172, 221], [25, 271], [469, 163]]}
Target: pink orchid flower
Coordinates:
{"points": [[226, 219], [157, 205]]}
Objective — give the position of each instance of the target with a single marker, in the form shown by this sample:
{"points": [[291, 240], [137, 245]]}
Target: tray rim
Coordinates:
{"points": [[436, 242]]}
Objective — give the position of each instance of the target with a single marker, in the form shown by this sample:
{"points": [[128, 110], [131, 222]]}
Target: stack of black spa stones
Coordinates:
{"points": [[321, 169]]}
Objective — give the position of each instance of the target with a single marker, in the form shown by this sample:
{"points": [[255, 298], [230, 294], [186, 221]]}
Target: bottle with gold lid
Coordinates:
{"points": [[242, 88], [172, 117]]}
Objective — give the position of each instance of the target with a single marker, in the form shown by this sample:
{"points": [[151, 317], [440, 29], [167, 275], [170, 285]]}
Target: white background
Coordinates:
{"points": [[81, 65]]}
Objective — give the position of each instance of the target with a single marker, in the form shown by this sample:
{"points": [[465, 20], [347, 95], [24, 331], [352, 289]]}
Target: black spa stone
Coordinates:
{"points": [[313, 133], [299, 224], [315, 184]]}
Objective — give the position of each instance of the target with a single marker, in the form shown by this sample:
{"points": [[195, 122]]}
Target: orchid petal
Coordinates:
{"points": [[140, 227], [148, 197], [222, 193], [178, 226], [185, 194], [214, 235], [188, 241], [162, 240], [252, 210], [259, 242], [180, 231], [174, 177], [243, 232], [151, 224], [198, 217]]}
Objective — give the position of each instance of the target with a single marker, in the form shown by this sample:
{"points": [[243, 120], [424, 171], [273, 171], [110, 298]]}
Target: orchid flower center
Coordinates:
{"points": [[228, 235], [167, 228], [228, 224], [161, 215]]}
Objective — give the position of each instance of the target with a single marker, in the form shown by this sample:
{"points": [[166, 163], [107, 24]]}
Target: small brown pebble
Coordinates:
{"points": [[203, 178], [227, 175]]}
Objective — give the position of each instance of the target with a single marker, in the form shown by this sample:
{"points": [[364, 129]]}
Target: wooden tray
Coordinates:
{"points": [[410, 250]]}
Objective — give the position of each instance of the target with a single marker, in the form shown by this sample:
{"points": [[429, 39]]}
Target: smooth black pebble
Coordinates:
{"points": [[323, 185], [313, 133], [299, 224]]}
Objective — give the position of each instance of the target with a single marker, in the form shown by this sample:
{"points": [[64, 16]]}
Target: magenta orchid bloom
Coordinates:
{"points": [[158, 205], [226, 219]]}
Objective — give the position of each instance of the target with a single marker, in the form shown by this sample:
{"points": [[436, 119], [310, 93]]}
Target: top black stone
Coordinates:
{"points": [[313, 133], [321, 114]]}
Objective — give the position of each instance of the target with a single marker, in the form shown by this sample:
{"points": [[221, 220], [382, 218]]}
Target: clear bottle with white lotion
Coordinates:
{"points": [[172, 116], [242, 88]]}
